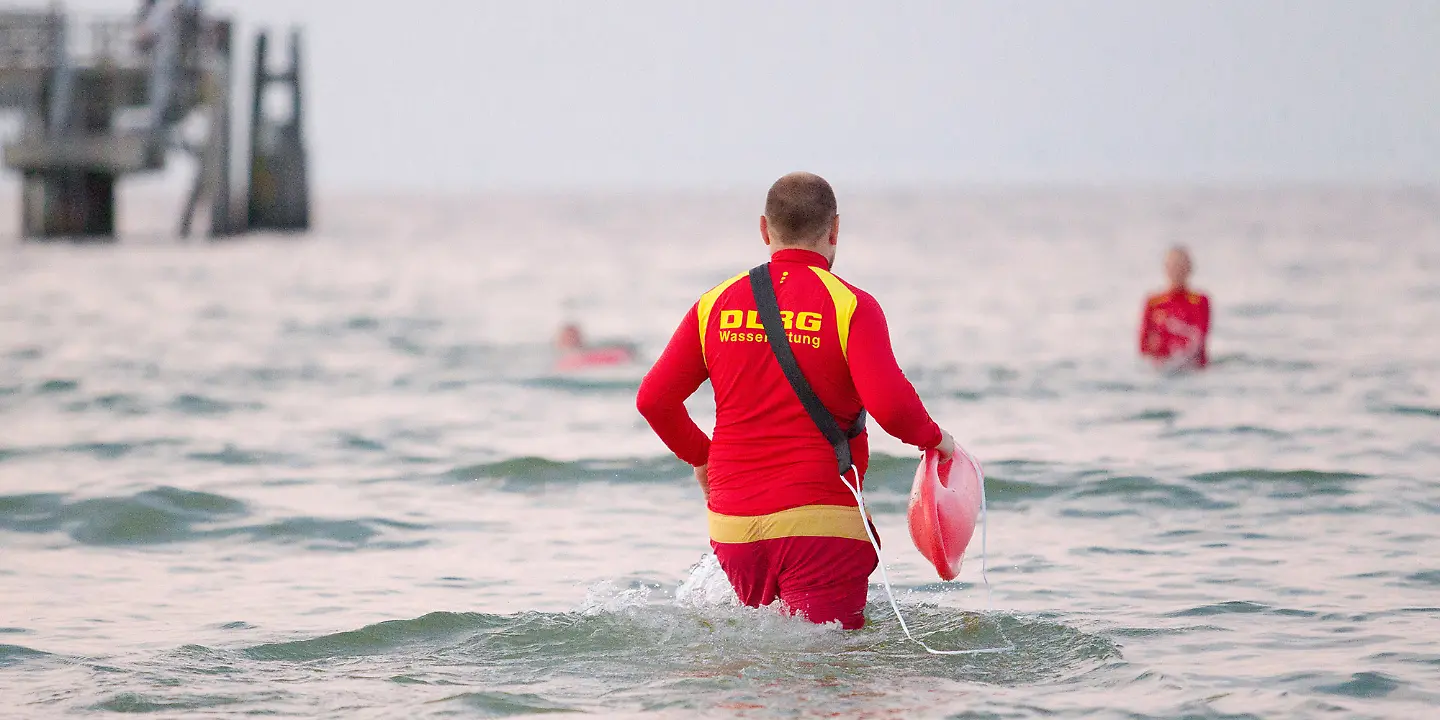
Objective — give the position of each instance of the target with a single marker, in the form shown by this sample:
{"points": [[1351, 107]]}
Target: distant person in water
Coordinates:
{"points": [[570, 339], [575, 354], [1176, 322]]}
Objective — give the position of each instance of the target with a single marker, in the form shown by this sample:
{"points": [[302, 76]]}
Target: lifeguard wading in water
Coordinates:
{"points": [[1176, 323], [782, 523]]}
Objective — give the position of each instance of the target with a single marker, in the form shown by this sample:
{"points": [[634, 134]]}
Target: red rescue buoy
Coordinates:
{"points": [[945, 504]]}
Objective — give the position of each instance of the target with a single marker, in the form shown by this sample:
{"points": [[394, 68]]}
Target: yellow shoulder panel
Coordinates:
{"points": [[845, 303], [707, 301]]}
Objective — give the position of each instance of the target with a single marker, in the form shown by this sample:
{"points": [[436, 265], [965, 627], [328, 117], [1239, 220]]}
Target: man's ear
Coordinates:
{"points": [[765, 229], [835, 230]]}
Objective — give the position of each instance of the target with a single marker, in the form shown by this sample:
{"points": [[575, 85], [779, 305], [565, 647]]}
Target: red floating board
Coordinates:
{"points": [[944, 507], [606, 356]]}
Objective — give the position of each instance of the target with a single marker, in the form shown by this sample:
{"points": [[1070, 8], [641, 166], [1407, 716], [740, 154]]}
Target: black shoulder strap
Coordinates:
{"points": [[769, 310]]}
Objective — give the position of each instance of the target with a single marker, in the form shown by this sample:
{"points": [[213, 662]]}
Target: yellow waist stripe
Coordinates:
{"points": [[841, 521]]}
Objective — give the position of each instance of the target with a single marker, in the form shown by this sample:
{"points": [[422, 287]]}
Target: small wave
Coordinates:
{"points": [[406, 345], [1033, 391], [884, 462], [273, 378], [1263, 363], [1287, 484], [1411, 658], [319, 533], [626, 383], [170, 515], [118, 403], [891, 472], [1240, 607], [1363, 685], [1153, 415], [233, 455], [1258, 310], [1006, 481], [332, 327], [1425, 577], [502, 704], [1148, 490], [97, 450], [161, 515], [56, 386], [15, 654], [628, 638], [433, 630], [108, 450], [138, 703], [528, 472], [631, 645], [1408, 410], [1109, 386], [31, 352], [362, 322], [190, 404], [36, 512], [1263, 475], [351, 441], [1149, 632], [1102, 550], [1232, 431], [1003, 490]]}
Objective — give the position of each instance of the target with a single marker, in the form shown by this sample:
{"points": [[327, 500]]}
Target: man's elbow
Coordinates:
{"points": [[650, 402]]}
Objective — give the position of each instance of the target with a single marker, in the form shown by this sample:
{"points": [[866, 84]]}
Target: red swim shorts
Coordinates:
{"points": [[823, 579]]}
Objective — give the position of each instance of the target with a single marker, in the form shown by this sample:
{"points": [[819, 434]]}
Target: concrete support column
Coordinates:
{"points": [[70, 204]]}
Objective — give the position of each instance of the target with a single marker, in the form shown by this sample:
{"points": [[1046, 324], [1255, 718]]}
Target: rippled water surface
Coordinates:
{"points": [[337, 476]]}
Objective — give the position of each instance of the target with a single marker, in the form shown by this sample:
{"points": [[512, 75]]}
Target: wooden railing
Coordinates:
{"points": [[31, 40]]}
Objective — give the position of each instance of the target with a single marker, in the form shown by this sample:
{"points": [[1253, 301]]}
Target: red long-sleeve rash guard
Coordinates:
{"points": [[1175, 322], [767, 454]]}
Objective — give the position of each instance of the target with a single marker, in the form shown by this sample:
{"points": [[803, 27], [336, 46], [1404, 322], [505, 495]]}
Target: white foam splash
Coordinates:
{"points": [[607, 596], [706, 586]]}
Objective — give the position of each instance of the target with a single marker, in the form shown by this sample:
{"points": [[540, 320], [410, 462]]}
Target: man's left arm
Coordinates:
{"points": [[1203, 357], [886, 392]]}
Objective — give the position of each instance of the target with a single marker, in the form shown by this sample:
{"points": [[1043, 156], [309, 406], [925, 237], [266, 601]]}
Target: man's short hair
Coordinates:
{"points": [[800, 208]]}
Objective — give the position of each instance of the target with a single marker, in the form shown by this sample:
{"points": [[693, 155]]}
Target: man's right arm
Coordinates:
{"points": [[675, 377], [1147, 331]]}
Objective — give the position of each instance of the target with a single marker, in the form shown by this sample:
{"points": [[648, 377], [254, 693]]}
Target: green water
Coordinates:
{"points": [[338, 477]]}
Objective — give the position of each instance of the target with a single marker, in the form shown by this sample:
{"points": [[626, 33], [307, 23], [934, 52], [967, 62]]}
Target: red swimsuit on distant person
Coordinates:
{"points": [[781, 522], [1175, 327]]}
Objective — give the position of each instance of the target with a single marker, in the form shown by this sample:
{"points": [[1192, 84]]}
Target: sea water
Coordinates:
{"points": [[337, 476]]}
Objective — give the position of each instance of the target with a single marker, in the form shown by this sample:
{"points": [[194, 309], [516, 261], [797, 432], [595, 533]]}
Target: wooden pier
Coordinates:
{"points": [[103, 98]]}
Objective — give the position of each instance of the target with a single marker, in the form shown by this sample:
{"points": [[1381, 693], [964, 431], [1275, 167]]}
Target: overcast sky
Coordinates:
{"points": [[467, 95]]}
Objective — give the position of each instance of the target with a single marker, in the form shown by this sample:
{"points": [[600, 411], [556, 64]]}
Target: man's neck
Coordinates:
{"points": [[806, 253]]}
